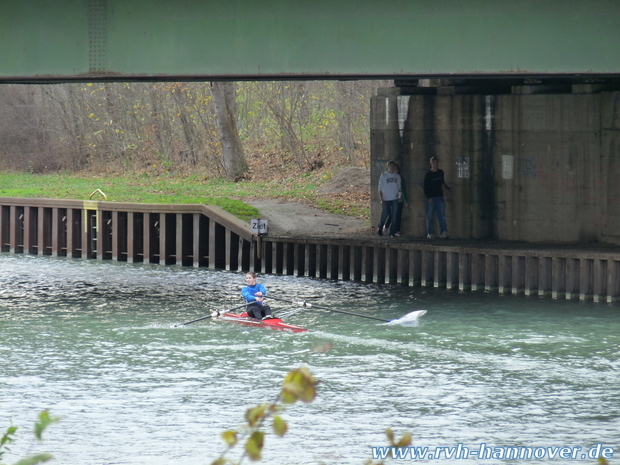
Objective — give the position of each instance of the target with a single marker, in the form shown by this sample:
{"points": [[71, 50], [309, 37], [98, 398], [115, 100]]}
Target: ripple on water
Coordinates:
{"points": [[95, 343]]}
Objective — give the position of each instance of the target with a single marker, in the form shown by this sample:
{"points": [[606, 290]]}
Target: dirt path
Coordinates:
{"points": [[296, 218]]}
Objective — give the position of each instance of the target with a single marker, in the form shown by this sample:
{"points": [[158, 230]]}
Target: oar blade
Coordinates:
{"points": [[410, 319]]}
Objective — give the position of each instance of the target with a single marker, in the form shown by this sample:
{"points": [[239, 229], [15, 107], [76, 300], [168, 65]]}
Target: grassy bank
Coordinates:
{"points": [[170, 189]]}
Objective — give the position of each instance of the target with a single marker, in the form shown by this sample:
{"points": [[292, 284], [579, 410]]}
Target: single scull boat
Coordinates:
{"points": [[271, 323]]}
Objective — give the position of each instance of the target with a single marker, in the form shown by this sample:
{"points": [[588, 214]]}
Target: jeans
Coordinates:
{"points": [[390, 209], [436, 205]]}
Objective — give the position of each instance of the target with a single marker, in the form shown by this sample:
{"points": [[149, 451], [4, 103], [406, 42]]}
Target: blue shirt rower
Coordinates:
{"points": [[254, 294]]}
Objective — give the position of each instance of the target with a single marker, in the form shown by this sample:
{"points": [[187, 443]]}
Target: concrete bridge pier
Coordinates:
{"points": [[525, 163]]}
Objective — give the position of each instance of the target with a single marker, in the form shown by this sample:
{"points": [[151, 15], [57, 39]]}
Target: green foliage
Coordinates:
{"points": [[35, 459], [7, 438], [297, 385], [43, 422]]}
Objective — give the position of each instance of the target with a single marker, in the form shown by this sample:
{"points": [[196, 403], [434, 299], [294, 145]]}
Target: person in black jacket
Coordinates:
{"points": [[434, 183]]}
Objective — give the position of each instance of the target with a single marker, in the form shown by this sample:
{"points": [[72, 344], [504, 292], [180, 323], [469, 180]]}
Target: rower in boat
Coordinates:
{"points": [[254, 294]]}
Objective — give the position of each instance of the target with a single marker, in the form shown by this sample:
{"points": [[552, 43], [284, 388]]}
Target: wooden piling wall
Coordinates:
{"points": [[555, 272], [186, 235], [204, 236]]}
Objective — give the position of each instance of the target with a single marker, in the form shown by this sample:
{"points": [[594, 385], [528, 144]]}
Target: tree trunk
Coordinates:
{"points": [[232, 149]]}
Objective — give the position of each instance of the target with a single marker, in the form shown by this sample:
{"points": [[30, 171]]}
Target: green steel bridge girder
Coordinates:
{"points": [[107, 40]]}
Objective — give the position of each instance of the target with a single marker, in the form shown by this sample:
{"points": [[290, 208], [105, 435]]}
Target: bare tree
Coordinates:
{"points": [[182, 127], [232, 148]]}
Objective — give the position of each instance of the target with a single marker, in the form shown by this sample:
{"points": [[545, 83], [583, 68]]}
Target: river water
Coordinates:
{"points": [[96, 344]]}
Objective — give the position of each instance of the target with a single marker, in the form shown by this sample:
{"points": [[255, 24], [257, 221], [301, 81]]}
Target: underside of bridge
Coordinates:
{"points": [[87, 40]]}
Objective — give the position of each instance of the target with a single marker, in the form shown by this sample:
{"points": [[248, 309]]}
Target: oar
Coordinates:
{"points": [[308, 304], [210, 316]]}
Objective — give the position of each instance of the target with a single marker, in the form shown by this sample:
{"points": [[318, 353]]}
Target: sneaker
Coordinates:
{"points": [[430, 236], [398, 234], [380, 231], [267, 317], [444, 235]]}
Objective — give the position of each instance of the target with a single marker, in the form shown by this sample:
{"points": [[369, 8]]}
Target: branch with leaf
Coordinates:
{"points": [[44, 420], [298, 385]]}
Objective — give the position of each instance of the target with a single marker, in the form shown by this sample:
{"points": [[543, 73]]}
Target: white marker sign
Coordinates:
{"points": [[259, 226]]}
